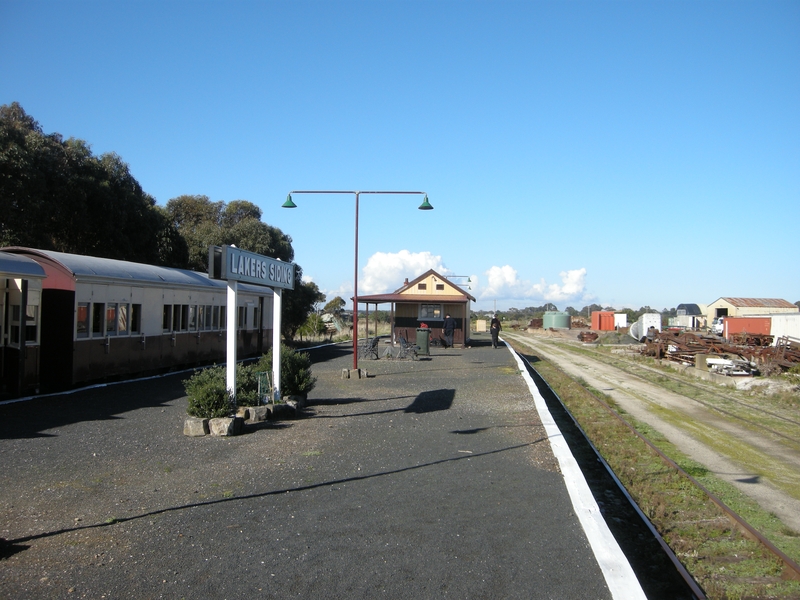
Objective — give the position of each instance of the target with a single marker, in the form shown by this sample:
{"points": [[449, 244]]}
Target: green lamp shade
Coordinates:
{"points": [[425, 204], [290, 204]]}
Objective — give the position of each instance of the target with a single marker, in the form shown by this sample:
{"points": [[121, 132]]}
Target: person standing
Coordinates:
{"points": [[494, 328], [449, 327]]}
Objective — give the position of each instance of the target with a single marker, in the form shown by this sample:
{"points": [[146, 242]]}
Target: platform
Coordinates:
{"points": [[427, 479]]}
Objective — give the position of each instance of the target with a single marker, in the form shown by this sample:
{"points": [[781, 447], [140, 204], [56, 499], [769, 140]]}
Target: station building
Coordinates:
{"points": [[424, 302]]}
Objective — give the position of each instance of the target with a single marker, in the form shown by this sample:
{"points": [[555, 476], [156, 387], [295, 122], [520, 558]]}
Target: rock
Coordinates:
{"points": [[238, 426], [195, 427], [345, 373], [298, 401], [226, 426], [258, 414], [285, 411], [243, 412]]}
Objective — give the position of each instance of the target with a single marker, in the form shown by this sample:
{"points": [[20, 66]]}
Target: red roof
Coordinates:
{"points": [[759, 302]]}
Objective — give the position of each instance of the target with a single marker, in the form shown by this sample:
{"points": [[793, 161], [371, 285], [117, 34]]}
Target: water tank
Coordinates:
{"points": [[555, 319]]}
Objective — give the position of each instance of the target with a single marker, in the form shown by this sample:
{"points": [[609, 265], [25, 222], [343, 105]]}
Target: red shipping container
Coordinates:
{"points": [[754, 325], [603, 320]]}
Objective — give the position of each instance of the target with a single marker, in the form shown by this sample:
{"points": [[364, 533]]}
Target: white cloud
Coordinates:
{"points": [[385, 272], [504, 285], [573, 287]]}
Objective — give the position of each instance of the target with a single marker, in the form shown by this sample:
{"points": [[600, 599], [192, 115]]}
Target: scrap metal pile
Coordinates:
{"points": [[588, 336], [745, 354]]}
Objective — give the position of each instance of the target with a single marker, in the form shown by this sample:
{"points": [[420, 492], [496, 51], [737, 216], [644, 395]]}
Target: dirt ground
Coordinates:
{"points": [[646, 401]]}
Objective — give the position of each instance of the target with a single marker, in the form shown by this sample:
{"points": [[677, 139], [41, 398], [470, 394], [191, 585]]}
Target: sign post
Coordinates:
{"points": [[233, 265]]}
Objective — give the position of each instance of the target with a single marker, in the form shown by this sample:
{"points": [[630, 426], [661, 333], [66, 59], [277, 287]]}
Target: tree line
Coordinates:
{"points": [[56, 195], [537, 312]]}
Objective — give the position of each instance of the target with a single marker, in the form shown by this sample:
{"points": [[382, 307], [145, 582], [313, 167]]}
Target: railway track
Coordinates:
{"points": [[699, 386], [686, 586], [744, 433]]}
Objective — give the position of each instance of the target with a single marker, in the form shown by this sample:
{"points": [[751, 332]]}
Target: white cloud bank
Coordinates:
{"points": [[385, 272], [504, 285]]}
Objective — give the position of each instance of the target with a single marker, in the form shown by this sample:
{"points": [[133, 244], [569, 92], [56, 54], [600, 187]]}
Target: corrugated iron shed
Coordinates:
{"points": [[759, 302], [689, 309]]}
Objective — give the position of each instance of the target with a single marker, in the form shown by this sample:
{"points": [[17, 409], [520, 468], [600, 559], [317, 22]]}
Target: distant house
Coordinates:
{"points": [[426, 300], [742, 307]]}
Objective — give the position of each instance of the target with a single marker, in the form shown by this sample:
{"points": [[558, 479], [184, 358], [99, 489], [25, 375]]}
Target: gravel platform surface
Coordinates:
{"points": [[428, 479]]}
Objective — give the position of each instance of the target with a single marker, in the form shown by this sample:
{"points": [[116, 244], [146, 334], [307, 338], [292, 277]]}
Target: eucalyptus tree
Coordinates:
{"points": [[56, 195]]}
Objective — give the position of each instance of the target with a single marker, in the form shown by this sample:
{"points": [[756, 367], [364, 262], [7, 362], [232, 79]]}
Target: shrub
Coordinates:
{"points": [[208, 394], [247, 386], [296, 377]]}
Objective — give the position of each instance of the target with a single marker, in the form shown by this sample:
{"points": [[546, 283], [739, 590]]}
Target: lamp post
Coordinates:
{"points": [[290, 204], [469, 279]]}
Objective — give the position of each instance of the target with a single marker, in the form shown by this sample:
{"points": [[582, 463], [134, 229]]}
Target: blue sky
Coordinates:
{"points": [[623, 153]]}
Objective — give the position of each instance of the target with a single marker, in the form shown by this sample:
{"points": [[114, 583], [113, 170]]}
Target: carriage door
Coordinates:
{"points": [[21, 335]]}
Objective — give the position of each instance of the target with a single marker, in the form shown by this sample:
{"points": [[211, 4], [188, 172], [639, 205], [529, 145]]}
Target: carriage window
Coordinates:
{"points": [[31, 324], [82, 320], [201, 317], [111, 319], [15, 324], [166, 321], [193, 317], [184, 317], [256, 322], [207, 319], [176, 317], [136, 318], [98, 312], [215, 318], [242, 317], [122, 319]]}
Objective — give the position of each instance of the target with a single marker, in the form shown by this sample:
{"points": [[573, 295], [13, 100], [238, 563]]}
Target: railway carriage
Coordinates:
{"points": [[95, 319]]}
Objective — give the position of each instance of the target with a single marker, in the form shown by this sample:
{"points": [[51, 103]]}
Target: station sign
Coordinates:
{"points": [[232, 264]]}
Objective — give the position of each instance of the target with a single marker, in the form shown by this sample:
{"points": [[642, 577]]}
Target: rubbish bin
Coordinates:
{"points": [[424, 341]]}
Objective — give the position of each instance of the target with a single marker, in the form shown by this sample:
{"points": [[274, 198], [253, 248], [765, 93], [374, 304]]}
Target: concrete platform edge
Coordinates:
{"points": [[617, 571]]}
